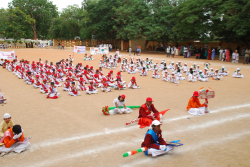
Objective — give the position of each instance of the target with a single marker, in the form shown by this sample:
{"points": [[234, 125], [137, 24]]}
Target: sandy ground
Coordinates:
{"points": [[72, 131]]}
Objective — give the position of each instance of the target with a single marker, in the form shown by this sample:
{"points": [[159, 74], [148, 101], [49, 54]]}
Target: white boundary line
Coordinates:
{"points": [[188, 149], [105, 148], [124, 129]]}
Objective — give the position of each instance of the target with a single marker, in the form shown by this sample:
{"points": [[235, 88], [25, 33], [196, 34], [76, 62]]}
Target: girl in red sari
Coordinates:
{"points": [[209, 54], [228, 55]]}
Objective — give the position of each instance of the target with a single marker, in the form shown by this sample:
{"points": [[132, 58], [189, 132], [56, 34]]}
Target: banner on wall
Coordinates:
{"points": [[100, 50], [7, 55], [79, 49]]}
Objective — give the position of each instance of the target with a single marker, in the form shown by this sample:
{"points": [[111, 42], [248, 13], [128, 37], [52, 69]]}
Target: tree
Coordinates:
{"points": [[43, 11], [3, 20], [158, 24], [131, 19], [101, 19], [16, 23], [68, 24], [227, 20]]}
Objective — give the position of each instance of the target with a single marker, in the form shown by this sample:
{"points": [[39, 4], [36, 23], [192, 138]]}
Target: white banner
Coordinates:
{"points": [[7, 55], [79, 49], [100, 50]]}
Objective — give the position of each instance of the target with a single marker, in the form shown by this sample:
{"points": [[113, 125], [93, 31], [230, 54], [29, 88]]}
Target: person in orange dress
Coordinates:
{"points": [[13, 140], [194, 106]]}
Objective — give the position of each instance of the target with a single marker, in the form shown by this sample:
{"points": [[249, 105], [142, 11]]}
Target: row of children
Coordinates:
{"points": [[64, 71]]}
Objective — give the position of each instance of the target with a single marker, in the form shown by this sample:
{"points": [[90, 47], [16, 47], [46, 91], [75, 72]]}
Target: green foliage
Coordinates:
{"points": [[131, 16], [16, 23], [42, 11], [100, 19], [228, 20], [68, 24]]}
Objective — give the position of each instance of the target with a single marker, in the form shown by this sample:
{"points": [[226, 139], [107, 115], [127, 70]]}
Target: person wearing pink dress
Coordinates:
{"points": [[228, 55]]}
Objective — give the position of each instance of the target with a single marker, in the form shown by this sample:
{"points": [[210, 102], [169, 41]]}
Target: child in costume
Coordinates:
{"points": [[216, 75], [143, 72], [120, 102], [237, 74], [156, 74], [66, 85], [202, 77], [91, 89], [81, 84], [119, 85], [52, 93], [105, 86], [131, 69], [6, 124], [192, 77], [29, 78], [73, 90], [44, 87], [132, 84], [173, 78], [194, 106], [154, 142], [14, 140], [37, 83], [165, 76], [223, 71]]}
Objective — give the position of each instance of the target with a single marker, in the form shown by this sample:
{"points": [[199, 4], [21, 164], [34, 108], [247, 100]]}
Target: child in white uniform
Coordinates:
{"points": [[237, 74], [120, 102]]}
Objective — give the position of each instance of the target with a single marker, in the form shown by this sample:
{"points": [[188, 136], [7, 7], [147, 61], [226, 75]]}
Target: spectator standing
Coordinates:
{"points": [[168, 51], [247, 53], [110, 47], [213, 53], [221, 53], [62, 45], [135, 50], [209, 54], [59, 45]]}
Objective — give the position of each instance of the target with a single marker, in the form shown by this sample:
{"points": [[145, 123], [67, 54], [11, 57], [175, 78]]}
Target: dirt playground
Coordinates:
{"points": [[73, 131]]}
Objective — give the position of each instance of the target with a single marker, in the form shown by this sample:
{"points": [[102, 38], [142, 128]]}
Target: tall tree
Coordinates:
{"points": [[40, 10], [227, 20], [3, 21], [158, 24], [16, 23], [101, 18], [68, 24], [130, 17]]}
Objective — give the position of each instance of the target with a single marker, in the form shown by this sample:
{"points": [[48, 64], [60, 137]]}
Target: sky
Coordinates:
{"points": [[59, 3]]}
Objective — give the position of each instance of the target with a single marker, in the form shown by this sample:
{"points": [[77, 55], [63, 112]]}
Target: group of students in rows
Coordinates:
{"points": [[173, 72], [39, 75]]}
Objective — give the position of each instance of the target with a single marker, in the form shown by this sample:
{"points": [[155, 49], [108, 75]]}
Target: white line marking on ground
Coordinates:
{"points": [[124, 129], [137, 140], [188, 149]]}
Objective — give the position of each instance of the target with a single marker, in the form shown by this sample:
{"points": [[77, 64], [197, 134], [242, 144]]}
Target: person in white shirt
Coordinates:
{"points": [[221, 54], [237, 74], [168, 51], [235, 57], [121, 108]]}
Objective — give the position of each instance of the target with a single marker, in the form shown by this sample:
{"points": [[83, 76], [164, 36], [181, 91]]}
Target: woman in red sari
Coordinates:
{"points": [[228, 54], [209, 54]]}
